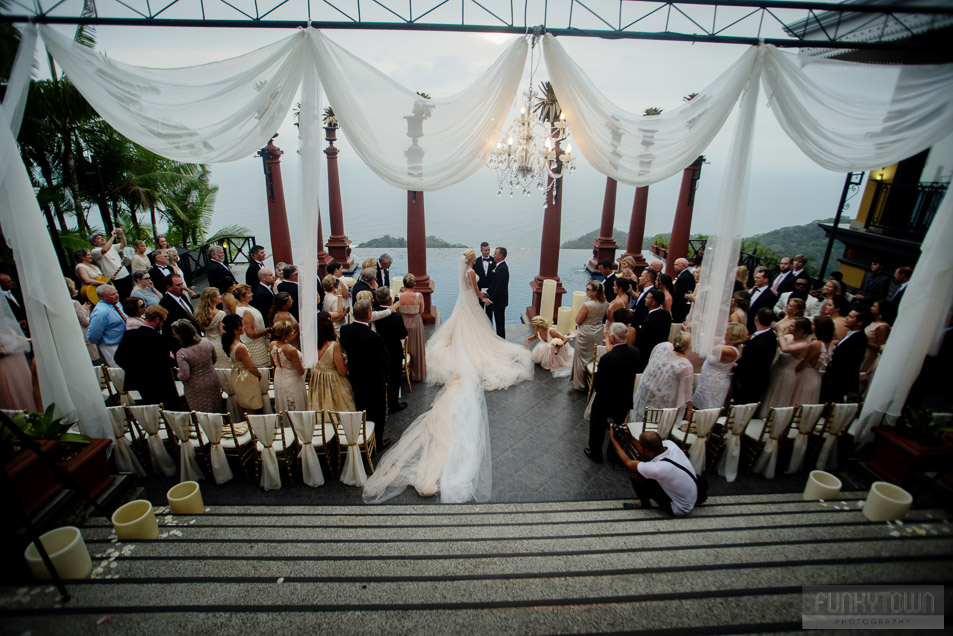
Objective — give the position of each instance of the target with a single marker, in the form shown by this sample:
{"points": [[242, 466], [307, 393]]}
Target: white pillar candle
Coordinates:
{"points": [[578, 298], [547, 305], [564, 322], [395, 285]]}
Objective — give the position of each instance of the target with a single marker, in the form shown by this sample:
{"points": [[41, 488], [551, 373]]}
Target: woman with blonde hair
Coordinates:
{"points": [[794, 309], [209, 317], [290, 391], [552, 353], [589, 332], [256, 334], [333, 302], [741, 278], [410, 305], [139, 261], [715, 379], [330, 388], [667, 379]]}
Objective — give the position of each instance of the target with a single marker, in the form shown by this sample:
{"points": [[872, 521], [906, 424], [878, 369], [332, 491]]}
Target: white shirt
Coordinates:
{"points": [[110, 262], [757, 291], [844, 339], [181, 302], [9, 294], [673, 480], [644, 292]]}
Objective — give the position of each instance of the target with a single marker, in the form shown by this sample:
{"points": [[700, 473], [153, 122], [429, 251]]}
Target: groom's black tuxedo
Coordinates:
{"points": [[367, 368], [499, 295], [484, 278]]}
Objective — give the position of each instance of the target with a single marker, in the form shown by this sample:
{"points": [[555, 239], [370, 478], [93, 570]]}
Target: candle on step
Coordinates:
{"points": [[547, 305], [564, 322]]}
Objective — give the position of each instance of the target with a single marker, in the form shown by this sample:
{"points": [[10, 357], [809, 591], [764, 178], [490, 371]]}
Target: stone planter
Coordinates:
{"points": [[895, 455], [89, 466], [32, 478]]}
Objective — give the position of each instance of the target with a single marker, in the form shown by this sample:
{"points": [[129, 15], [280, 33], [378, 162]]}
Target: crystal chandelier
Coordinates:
{"points": [[520, 160]]}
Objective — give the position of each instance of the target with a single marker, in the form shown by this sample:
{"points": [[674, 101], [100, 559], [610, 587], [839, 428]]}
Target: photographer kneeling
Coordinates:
{"points": [[665, 475]]}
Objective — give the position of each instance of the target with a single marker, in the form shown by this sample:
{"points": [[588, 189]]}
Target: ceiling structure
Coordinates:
{"points": [[860, 24]]}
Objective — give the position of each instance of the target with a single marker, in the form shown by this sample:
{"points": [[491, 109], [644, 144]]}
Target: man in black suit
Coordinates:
{"points": [[902, 275], [784, 282], [368, 363], [647, 284], [843, 371], [14, 298], [392, 329], [368, 282], [875, 287], [751, 375], [264, 296], [256, 263], [160, 272], [383, 270], [800, 262], [761, 295], [499, 292], [655, 328], [289, 284], [484, 268], [145, 357], [606, 269], [612, 386], [219, 275], [684, 284], [178, 307]]}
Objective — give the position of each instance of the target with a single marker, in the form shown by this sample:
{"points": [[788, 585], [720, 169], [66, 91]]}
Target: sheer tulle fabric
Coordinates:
{"points": [[447, 449]]}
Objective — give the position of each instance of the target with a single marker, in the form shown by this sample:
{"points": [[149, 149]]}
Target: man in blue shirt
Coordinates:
{"points": [[107, 323]]}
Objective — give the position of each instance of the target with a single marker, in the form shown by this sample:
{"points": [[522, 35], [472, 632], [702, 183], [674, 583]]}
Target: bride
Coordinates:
{"points": [[447, 449]]}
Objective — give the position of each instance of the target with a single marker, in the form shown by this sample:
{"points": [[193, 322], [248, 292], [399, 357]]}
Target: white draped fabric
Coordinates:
{"points": [[353, 473], [126, 460], [304, 423], [181, 423], [807, 420], [767, 461], [731, 454], [265, 428], [840, 416], [844, 116], [231, 402], [265, 382], [147, 417], [703, 421], [213, 426], [118, 377]]}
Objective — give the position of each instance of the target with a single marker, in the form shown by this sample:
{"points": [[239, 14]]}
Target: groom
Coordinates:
{"points": [[498, 292]]}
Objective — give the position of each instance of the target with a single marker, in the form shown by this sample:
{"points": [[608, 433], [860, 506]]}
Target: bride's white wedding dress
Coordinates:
{"points": [[447, 449]]}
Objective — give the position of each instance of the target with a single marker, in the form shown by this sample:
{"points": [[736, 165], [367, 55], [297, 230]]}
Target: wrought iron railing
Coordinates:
{"points": [[194, 261], [904, 210]]}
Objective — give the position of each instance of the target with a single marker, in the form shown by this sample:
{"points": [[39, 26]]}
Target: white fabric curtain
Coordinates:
{"points": [[213, 426]]}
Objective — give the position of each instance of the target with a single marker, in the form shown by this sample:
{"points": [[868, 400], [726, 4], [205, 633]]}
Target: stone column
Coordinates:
{"points": [[339, 245], [549, 247], [417, 253], [633, 246], [682, 225], [323, 257], [605, 246], [277, 213]]}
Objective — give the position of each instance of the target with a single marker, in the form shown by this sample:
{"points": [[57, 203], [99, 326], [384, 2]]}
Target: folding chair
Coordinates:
{"points": [[801, 433], [662, 421], [597, 352], [213, 426], [126, 460], [766, 435], [314, 437], [355, 437], [147, 418]]}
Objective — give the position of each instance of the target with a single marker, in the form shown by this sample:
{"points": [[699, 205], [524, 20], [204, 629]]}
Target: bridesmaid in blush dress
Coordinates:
{"points": [[291, 394], [807, 382], [792, 346], [552, 353], [410, 305]]}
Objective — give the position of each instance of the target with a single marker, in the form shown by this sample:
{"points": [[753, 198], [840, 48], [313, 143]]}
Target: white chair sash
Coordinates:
{"points": [[703, 420], [265, 381], [738, 420], [147, 417], [767, 461], [303, 423], [265, 427], [667, 421], [810, 413], [213, 425], [118, 377], [838, 419], [181, 423], [353, 473], [126, 460], [231, 401]]}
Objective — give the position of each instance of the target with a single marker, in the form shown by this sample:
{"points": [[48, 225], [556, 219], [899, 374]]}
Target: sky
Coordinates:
{"points": [[786, 187]]}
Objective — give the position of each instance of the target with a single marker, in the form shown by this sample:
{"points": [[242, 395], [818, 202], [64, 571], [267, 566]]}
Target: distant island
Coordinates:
{"points": [[397, 241], [807, 239]]}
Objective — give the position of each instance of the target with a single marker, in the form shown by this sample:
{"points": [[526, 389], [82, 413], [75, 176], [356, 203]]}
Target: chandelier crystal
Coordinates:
{"points": [[528, 153]]}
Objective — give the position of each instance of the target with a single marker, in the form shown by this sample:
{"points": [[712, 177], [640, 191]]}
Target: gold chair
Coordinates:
{"points": [[597, 352], [698, 430], [405, 364], [366, 441], [237, 442], [761, 439], [282, 442], [314, 429]]}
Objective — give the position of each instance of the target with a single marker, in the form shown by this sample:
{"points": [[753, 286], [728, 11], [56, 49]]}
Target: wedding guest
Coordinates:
{"points": [[801, 286], [144, 290], [209, 317], [646, 284], [280, 310], [368, 364], [875, 286], [715, 379], [751, 374], [837, 308], [391, 329], [289, 285], [623, 316], [793, 309], [263, 296], [279, 276], [843, 370], [666, 286], [330, 388], [86, 271], [741, 278], [588, 332], [290, 391], [196, 359], [82, 316], [606, 269], [793, 343], [134, 309], [807, 383], [830, 290], [877, 332], [667, 379], [902, 277], [410, 305], [108, 256], [337, 270], [334, 303], [684, 284], [17, 389], [382, 265], [612, 390], [107, 323], [177, 271], [219, 274], [761, 295], [740, 302], [553, 353], [655, 329], [147, 360], [229, 302], [140, 261], [245, 376], [620, 298], [255, 335]]}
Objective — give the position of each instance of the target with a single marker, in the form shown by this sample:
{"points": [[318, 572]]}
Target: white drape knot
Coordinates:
{"points": [[267, 445]]}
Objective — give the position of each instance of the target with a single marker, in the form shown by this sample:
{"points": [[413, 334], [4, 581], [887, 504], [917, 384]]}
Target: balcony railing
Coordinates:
{"points": [[194, 261], [902, 210]]}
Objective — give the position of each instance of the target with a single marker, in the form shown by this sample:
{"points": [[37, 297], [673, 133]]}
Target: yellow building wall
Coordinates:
{"points": [[853, 276], [883, 174]]}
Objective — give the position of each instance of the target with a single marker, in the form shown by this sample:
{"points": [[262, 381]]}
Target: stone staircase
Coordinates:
{"points": [[736, 565]]}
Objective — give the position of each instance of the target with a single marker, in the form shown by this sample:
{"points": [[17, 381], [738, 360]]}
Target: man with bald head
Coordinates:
{"points": [[663, 475], [684, 284], [657, 265], [264, 296]]}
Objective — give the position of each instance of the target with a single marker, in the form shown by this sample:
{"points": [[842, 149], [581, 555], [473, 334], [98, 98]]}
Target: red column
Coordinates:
{"points": [[682, 225], [277, 213], [605, 246], [633, 247], [549, 247], [323, 257], [417, 253], [339, 245]]}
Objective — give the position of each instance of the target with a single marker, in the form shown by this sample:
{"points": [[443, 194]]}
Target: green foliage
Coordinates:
{"points": [[652, 110], [922, 426], [584, 242], [397, 242], [228, 230], [328, 118], [547, 106], [46, 426]]}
